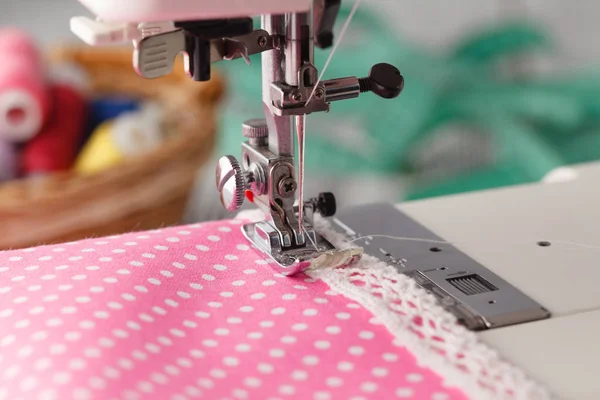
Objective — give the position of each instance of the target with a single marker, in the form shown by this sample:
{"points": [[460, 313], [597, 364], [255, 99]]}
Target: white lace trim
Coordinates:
{"points": [[427, 330]]}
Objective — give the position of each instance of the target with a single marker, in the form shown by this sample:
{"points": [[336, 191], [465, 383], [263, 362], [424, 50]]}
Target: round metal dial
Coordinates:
{"points": [[230, 183], [255, 129]]}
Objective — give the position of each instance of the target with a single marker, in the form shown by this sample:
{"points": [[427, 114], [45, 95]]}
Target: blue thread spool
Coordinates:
{"points": [[107, 108]]}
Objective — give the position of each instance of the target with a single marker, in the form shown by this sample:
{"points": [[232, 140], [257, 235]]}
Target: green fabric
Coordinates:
{"points": [[496, 42], [489, 178]]}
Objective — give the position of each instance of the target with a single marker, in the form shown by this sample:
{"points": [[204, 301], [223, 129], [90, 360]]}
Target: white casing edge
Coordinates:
{"points": [[181, 10], [500, 229]]}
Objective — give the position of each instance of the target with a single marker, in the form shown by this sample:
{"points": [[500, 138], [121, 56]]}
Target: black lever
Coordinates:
{"points": [[384, 80], [198, 35], [326, 204], [328, 12]]}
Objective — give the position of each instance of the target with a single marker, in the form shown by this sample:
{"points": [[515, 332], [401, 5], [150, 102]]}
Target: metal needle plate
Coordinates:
{"points": [[479, 298]]}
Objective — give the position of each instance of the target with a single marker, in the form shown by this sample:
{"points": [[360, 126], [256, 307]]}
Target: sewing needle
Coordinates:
{"points": [[300, 127]]}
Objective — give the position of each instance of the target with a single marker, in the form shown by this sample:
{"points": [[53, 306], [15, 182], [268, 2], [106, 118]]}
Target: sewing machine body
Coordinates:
{"points": [[501, 229], [183, 10], [206, 32]]}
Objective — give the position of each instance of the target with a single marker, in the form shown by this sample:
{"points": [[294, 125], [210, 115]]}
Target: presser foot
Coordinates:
{"points": [[292, 249], [317, 253]]}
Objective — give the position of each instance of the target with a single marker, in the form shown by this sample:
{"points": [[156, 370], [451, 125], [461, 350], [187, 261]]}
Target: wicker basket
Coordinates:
{"points": [[144, 192]]}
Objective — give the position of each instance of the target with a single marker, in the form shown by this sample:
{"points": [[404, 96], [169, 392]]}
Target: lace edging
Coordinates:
{"points": [[426, 329], [431, 333]]}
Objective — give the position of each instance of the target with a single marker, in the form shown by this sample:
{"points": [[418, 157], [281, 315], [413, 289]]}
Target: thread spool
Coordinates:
{"points": [[127, 135], [105, 109], [8, 161], [140, 131], [55, 147], [100, 151], [24, 98]]}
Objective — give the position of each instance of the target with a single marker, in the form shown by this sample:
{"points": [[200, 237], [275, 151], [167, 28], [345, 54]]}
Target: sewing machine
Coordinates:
{"points": [[497, 270], [267, 174]]}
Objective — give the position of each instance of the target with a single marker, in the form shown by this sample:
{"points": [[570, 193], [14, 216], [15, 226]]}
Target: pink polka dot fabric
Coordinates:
{"points": [[187, 313]]}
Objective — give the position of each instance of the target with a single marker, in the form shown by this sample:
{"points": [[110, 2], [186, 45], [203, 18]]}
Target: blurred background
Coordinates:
{"points": [[497, 93]]}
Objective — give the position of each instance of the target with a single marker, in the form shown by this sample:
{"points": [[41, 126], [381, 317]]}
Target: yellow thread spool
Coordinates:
{"points": [[100, 153]]}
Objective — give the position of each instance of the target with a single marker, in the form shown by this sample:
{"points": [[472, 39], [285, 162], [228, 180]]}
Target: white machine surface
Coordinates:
{"points": [[501, 229], [183, 10]]}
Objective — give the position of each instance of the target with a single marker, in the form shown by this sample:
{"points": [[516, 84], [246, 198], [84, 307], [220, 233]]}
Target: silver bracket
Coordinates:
{"points": [[290, 100]]}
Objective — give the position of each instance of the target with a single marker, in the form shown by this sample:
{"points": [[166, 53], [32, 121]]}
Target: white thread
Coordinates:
{"points": [[406, 238], [300, 131], [301, 124], [301, 119], [310, 238], [580, 245], [414, 239], [335, 46]]}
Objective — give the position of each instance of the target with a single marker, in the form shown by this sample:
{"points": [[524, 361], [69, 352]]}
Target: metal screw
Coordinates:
{"points": [[319, 93], [297, 96], [287, 187], [262, 41], [255, 179]]}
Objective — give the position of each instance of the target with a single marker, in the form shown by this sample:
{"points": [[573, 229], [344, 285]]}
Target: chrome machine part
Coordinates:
{"points": [[268, 175], [384, 80], [256, 131], [230, 182]]}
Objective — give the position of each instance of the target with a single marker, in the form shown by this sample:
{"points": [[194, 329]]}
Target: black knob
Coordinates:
{"points": [[326, 204], [384, 80]]}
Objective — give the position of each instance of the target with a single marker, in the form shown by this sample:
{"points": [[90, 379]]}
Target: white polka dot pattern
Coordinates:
{"points": [[187, 313]]}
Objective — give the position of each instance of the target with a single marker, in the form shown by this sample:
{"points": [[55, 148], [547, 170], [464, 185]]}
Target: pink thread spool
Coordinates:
{"points": [[8, 161], [24, 98], [55, 147]]}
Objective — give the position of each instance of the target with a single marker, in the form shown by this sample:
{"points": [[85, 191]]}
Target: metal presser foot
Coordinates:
{"points": [[315, 253], [266, 176], [292, 249]]}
